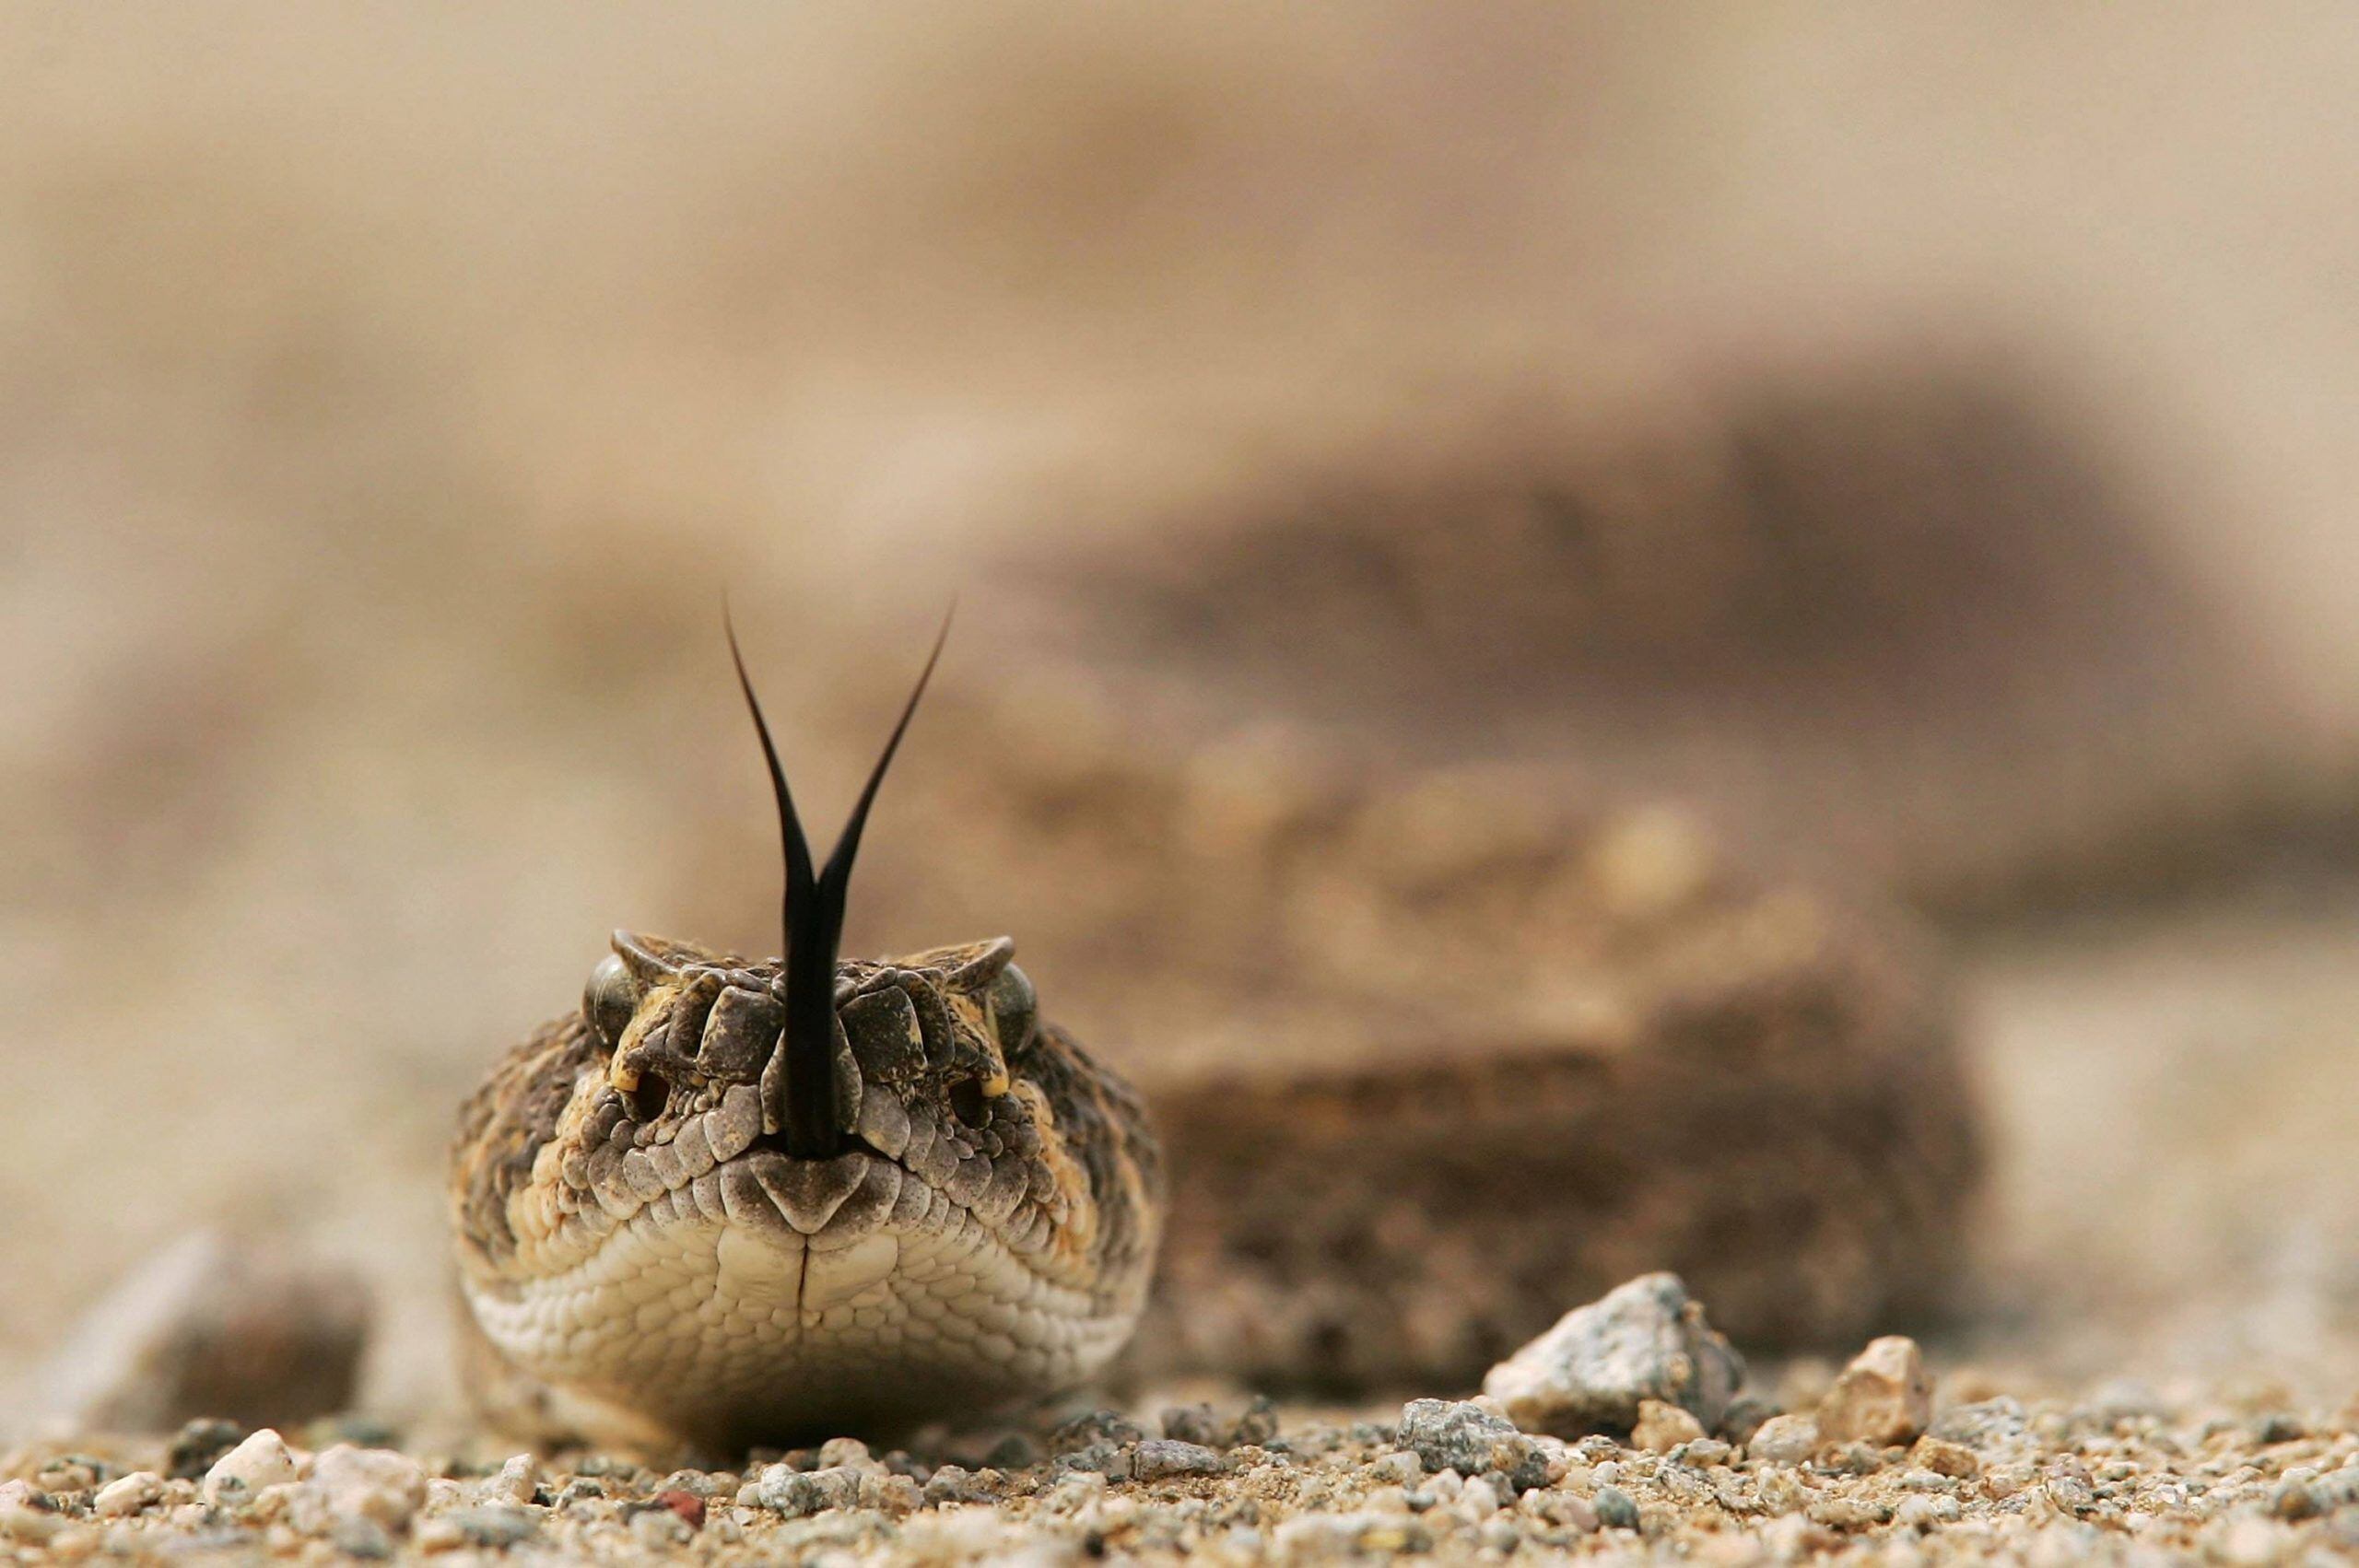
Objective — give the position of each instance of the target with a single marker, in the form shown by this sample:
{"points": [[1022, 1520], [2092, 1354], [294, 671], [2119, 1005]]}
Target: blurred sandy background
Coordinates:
{"points": [[387, 393]]}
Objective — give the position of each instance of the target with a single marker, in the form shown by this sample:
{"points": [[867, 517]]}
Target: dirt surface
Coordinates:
{"points": [[2118, 1475], [385, 404]]}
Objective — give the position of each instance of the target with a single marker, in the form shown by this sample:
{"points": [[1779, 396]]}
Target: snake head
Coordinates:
{"points": [[926, 1038]]}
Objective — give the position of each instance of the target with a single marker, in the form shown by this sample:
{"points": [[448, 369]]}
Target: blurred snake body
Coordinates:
{"points": [[727, 1202]]}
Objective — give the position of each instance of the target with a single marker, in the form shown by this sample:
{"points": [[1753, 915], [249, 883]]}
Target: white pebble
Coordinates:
{"points": [[127, 1495], [238, 1476]]}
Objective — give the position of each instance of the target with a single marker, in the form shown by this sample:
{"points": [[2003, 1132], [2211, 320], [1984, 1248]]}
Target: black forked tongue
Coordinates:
{"points": [[814, 914]]}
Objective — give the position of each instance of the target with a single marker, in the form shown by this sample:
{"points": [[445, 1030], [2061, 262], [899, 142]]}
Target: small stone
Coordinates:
{"points": [[1983, 1425], [1013, 1452], [952, 1483], [2295, 1497], [1447, 1435], [23, 1522], [1646, 1340], [128, 1496], [1785, 1440], [1158, 1458], [238, 1476], [493, 1525], [1884, 1396], [658, 1529], [518, 1479], [198, 1444], [361, 1538], [1399, 1468], [1848, 1513], [1953, 1459], [1109, 1427], [2070, 1494], [1255, 1427], [2278, 1426], [1193, 1423], [1615, 1510], [686, 1504], [1661, 1427], [373, 1484], [848, 1451], [794, 1494], [1744, 1418]]}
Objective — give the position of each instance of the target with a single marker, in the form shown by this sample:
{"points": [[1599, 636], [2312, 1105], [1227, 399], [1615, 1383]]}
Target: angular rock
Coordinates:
{"points": [[1884, 1397], [1646, 1340], [239, 1475], [1449, 1434]]}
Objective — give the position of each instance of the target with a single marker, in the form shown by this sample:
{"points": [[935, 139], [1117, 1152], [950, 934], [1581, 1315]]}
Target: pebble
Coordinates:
{"points": [[489, 1524], [1615, 1509], [360, 1483], [238, 1476], [128, 1494], [1883, 1398], [1785, 1440], [1647, 1339], [1661, 1427], [1159, 1458], [1945, 1459], [1463, 1437], [518, 1479]]}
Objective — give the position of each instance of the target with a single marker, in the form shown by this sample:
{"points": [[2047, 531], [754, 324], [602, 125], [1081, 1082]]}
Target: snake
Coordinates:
{"points": [[727, 1202]]}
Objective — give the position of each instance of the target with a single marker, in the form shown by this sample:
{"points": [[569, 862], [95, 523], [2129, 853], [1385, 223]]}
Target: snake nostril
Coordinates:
{"points": [[968, 1102], [648, 1100]]}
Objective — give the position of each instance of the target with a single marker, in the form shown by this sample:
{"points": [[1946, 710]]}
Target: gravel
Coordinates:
{"points": [[2199, 1478]]}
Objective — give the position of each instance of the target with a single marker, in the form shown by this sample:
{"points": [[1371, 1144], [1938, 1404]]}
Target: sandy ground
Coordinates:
{"points": [[383, 402]]}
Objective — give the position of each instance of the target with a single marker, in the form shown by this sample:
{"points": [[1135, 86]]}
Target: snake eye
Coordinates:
{"points": [[1016, 1008], [609, 1000]]}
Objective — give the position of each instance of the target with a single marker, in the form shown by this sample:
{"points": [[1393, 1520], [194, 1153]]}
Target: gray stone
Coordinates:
{"points": [[1615, 1510], [1160, 1457], [1985, 1424], [493, 1525], [1646, 1340], [1785, 1440], [1449, 1434]]}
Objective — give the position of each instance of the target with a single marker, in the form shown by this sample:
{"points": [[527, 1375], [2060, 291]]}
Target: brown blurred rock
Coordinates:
{"points": [[1884, 1397], [212, 1327], [1660, 1428]]}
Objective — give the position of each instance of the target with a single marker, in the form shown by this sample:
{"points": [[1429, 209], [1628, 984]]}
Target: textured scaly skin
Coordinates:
{"points": [[645, 1263]]}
